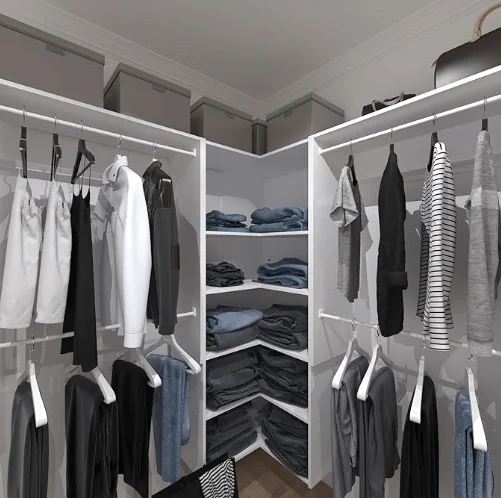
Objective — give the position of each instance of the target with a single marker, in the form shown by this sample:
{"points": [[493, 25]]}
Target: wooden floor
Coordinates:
{"points": [[260, 476]]}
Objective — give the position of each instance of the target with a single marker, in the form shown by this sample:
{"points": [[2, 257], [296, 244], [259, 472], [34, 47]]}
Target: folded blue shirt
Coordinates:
{"points": [[225, 319], [296, 281], [215, 216], [287, 213]]}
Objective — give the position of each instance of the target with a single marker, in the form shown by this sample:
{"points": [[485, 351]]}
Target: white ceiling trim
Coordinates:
{"points": [[428, 19], [70, 27]]}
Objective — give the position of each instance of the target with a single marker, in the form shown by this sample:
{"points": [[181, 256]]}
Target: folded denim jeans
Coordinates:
{"points": [[297, 465], [230, 318], [284, 281], [286, 266], [225, 281], [221, 438], [286, 440], [283, 318], [220, 342], [227, 420], [282, 226], [232, 380], [295, 341], [230, 363], [285, 420], [297, 383], [216, 215], [279, 361], [235, 446], [276, 391], [216, 400], [287, 213], [217, 228]]}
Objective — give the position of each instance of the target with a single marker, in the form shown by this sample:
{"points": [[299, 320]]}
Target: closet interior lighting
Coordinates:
{"points": [[82, 127], [458, 344], [56, 337], [480, 104]]}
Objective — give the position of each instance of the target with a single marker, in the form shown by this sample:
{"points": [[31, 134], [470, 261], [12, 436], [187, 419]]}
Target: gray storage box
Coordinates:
{"points": [[37, 59], [143, 96], [221, 124], [259, 137], [300, 119]]}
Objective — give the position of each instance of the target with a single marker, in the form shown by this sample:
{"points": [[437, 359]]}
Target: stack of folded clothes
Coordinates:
{"points": [[230, 433], [231, 378], [228, 326], [224, 275], [287, 439], [217, 221], [283, 378], [285, 219], [285, 326], [288, 272]]}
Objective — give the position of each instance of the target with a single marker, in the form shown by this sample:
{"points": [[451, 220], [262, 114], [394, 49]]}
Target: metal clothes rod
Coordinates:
{"points": [[458, 344], [56, 337], [98, 131], [412, 124]]}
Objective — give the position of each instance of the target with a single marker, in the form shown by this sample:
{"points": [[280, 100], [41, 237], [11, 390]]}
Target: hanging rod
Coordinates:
{"points": [[81, 126], [458, 344], [429, 119], [56, 337]]}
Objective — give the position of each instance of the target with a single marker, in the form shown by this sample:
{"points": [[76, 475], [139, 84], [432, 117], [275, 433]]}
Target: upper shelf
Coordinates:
{"points": [[465, 91]]}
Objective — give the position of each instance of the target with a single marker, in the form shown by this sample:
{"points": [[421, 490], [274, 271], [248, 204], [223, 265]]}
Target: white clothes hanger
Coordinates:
{"points": [[154, 379], [38, 404], [415, 413], [377, 354], [170, 340], [479, 439], [109, 395], [353, 347]]}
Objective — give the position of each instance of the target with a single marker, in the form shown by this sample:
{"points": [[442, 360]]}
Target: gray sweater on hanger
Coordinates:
{"points": [[483, 211]]}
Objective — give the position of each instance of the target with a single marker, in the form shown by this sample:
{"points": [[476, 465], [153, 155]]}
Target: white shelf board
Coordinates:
{"points": [[295, 411], [299, 355], [299, 233], [459, 93], [251, 285]]}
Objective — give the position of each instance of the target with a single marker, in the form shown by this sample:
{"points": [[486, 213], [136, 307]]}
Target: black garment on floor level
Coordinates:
{"points": [[164, 281], [80, 314], [135, 408], [29, 449], [419, 469], [91, 441], [391, 275]]}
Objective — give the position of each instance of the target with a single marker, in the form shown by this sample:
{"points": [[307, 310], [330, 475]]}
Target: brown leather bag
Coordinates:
{"points": [[481, 53]]}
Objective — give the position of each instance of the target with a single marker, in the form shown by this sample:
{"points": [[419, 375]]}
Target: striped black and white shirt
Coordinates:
{"points": [[438, 245]]}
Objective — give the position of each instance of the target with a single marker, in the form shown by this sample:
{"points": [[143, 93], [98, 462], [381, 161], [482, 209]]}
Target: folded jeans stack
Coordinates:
{"points": [[285, 326], [230, 433], [287, 439], [288, 272], [284, 219], [228, 326], [217, 221], [283, 378], [231, 378], [224, 275]]}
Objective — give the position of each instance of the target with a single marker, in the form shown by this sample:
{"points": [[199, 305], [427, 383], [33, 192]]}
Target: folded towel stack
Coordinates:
{"points": [[283, 378], [224, 275], [231, 378], [288, 272], [285, 326], [287, 439], [285, 219], [220, 222], [230, 433], [228, 326]]}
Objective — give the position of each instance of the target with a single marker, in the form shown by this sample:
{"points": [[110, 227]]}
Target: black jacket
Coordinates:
{"points": [[391, 274], [164, 282]]}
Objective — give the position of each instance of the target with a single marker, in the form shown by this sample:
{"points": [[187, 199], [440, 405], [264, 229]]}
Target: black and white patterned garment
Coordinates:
{"points": [[438, 245], [220, 481]]}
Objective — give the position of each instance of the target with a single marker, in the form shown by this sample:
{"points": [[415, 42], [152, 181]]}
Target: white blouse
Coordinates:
{"points": [[55, 260], [21, 260]]}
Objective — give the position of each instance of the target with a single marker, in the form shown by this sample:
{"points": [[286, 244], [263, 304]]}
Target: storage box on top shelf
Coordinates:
{"points": [[144, 96], [33, 58], [259, 137], [300, 119], [221, 124]]}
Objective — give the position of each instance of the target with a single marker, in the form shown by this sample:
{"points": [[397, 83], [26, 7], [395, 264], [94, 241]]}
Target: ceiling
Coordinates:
{"points": [[257, 47]]}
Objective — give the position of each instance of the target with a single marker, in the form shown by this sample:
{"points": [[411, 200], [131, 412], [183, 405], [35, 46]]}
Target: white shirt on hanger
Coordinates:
{"points": [[55, 259], [121, 230], [21, 259]]}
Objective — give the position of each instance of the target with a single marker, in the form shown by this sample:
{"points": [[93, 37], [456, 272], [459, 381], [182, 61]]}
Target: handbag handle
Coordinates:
{"points": [[477, 30]]}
